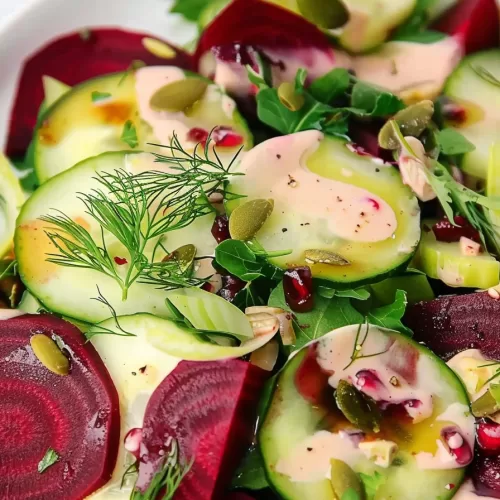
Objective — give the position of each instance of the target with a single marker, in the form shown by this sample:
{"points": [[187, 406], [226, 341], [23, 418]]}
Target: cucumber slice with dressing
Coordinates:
{"points": [[90, 118], [474, 86], [68, 290], [446, 262], [328, 198], [303, 429]]}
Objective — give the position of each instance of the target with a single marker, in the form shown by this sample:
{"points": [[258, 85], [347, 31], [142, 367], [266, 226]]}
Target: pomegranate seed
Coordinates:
{"points": [[220, 228], [368, 382], [226, 137], [231, 285], [457, 445], [120, 260], [445, 231], [298, 287], [488, 436], [133, 440], [454, 112], [198, 135]]}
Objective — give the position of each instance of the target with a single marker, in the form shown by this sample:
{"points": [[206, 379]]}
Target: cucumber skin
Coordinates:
{"points": [[299, 355]]}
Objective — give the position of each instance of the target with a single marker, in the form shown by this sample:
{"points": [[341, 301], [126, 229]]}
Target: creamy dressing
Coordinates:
{"points": [[345, 211]]}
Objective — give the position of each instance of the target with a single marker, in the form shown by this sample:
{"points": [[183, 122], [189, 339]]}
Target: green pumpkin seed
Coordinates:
{"points": [[289, 97], [412, 120], [327, 14], [178, 95], [184, 256], [488, 403], [325, 257], [343, 478], [47, 352], [247, 219], [361, 410]]}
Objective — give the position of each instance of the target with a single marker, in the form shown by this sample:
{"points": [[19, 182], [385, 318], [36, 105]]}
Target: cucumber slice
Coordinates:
{"points": [[53, 90], [69, 291], [80, 125], [373, 218], [301, 431], [445, 261], [136, 367], [480, 98], [29, 304], [11, 200]]}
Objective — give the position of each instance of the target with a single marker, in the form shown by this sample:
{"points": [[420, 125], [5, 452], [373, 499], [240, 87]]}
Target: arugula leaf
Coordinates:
{"points": [[99, 96], [372, 483], [129, 134], [330, 86], [453, 142], [358, 294], [390, 316], [327, 315], [238, 259], [374, 101], [417, 22], [251, 473], [350, 494], [50, 458], [190, 9], [426, 36]]}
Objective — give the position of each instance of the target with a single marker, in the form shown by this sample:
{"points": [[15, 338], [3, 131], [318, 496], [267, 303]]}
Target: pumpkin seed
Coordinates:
{"points": [[325, 257], [184, 256], [412, 120], [361, 410], [328, 14], [47, 352], [289, 97], [247, 219], [158, 48], [488, 403], [343, 478], [179, 95]]}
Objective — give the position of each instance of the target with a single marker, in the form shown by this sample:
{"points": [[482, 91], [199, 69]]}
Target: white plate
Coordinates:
{"points": [[39, 21]]}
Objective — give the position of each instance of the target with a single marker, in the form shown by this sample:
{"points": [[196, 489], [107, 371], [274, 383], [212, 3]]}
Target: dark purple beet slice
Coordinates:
{"points": [[485, 473], [77, 415], [211, 409], [72, 59], [449, 325]]}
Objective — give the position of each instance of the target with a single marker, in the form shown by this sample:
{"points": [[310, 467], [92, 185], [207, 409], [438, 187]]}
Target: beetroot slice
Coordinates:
{"points": [[449, 325], [77, 415], [474, 22], [73, 59], [485, 473], [211, 409], [260, 24]]}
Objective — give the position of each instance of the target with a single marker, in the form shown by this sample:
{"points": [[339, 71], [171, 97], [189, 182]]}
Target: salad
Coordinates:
{"points": [[266, 266]]}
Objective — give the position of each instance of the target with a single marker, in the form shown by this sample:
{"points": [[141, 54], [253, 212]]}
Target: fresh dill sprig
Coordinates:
{"points": [[167, 479], [357, 350], [485, 75], [138, 210]]}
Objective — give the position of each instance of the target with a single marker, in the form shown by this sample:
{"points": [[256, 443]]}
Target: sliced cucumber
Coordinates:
{"points": [[90, 118], [11, 200], [67, 290], [29, 304], [53, 90], [300, 434], [328, 198], [137, 367], [480, 97], [445, 261]]}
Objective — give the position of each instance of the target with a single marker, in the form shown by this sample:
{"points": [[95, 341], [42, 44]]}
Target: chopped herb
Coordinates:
{"points": [[416, 23], [50, 458], [100, 96], [357, 349], [453, 142], [129, 134], [350, 494]]}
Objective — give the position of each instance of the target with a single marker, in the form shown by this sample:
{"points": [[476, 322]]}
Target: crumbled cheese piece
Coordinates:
{"points": [[382, 452]]}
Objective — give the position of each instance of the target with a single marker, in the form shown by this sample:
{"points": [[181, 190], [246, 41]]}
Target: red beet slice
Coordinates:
{"points": [[474, 22], [73, 59], [261, 24], [77, 415], [485, 473], [211, 409], [449, 325]]}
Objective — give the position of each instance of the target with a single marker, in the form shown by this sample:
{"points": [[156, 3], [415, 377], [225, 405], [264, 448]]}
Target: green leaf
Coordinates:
{"points": [[330, 86], [190, 9], [358, 294], [327, 315], [251, 473], [99, 96], [495, 392], [417, 22], [390, 316], [256, 78], [350, 494], [453, 142], [372, 483], [238, 259], [50, 458], [374, 101], [426, 36], [129, 134]]}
